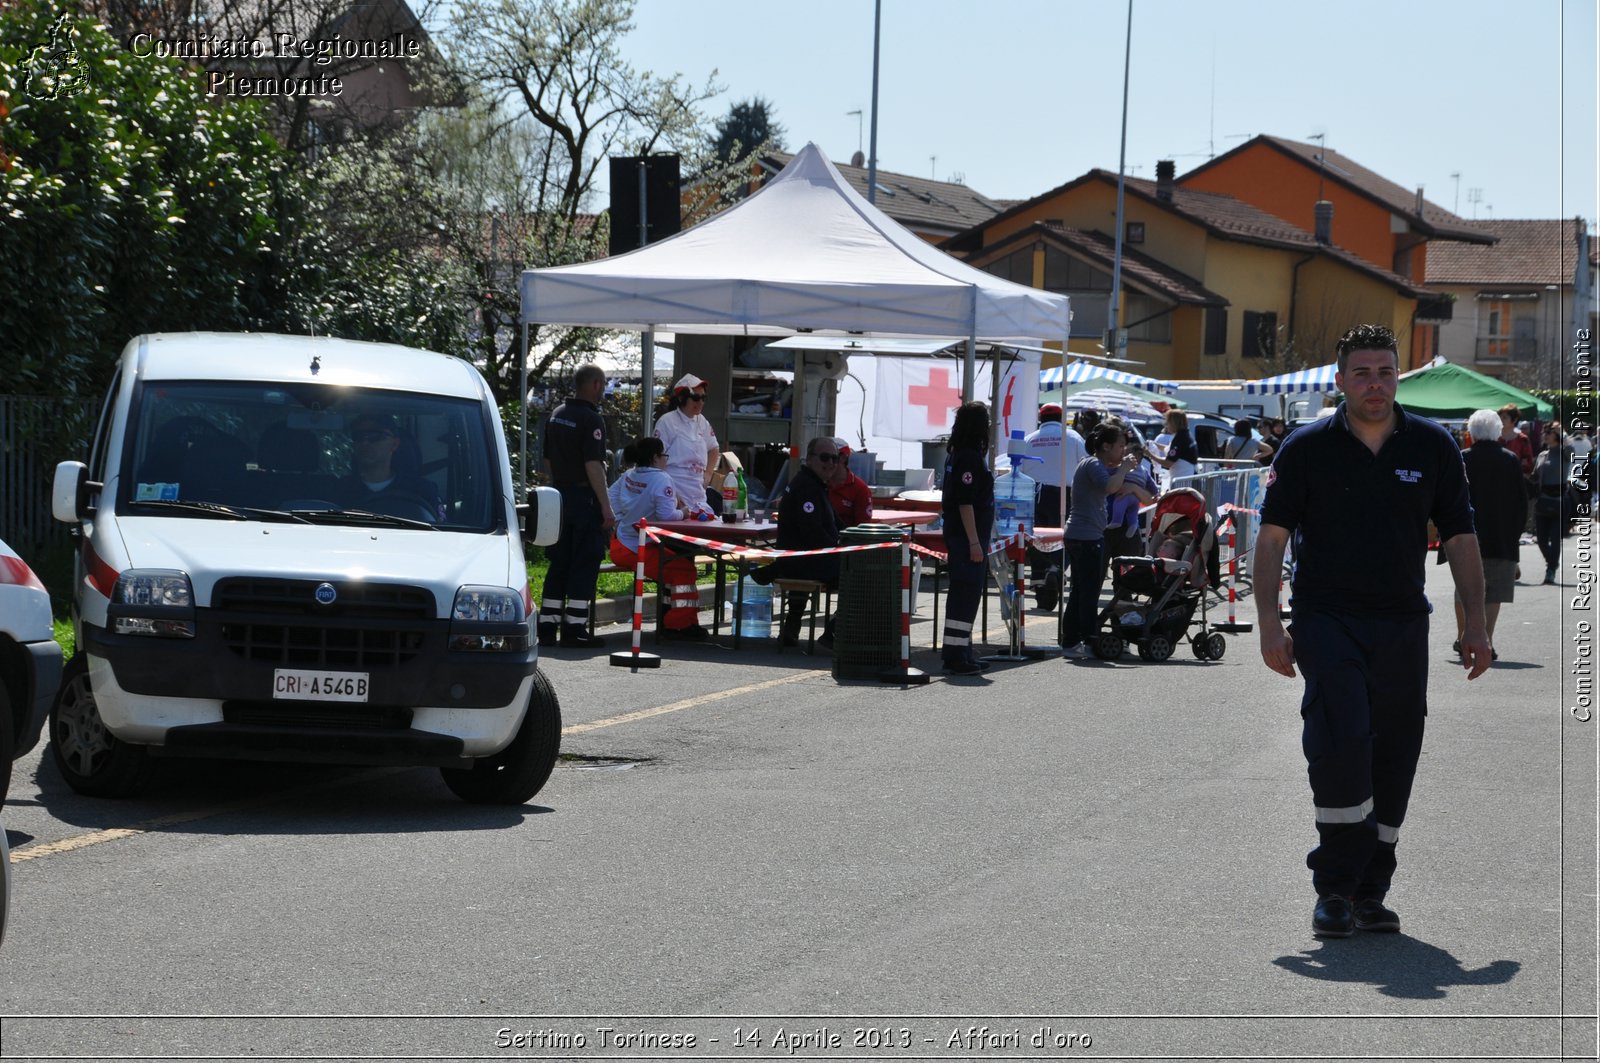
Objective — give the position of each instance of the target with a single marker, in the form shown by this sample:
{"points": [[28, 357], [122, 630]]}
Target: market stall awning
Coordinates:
{"points": [[1078, 372], [1317, 379]]}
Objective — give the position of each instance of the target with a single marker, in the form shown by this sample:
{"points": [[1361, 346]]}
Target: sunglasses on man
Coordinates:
{"points": [[826, 459]]}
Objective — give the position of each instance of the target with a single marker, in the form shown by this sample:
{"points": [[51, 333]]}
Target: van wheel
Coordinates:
{"points": [[513, 775], [92, 760], [8, 739]]}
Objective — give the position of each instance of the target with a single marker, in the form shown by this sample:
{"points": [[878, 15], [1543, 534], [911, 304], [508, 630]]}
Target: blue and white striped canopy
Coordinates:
{"points": [[1318, 379], [1078, 372]]}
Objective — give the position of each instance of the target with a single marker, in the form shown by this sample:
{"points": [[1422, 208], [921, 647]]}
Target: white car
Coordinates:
{"points": [[302, 549], [30, 660]]}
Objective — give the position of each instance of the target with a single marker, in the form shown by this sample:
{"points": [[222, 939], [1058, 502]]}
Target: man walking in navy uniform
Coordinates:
{"points": [[575, 461], [1356, 491]]}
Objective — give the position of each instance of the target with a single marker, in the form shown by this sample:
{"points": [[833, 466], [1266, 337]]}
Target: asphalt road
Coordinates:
{"points": [[1055, 860]]}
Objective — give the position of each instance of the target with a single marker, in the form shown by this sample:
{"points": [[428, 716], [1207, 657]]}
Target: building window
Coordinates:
{"points": [[1135, 232], [1494, 322], [1260, 339], [1063, 273], [1016, 267], [1149, 319], [1216, 330], [1090, 311]]}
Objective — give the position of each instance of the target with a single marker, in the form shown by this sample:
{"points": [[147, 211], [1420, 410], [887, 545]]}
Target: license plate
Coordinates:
{"points": [[296, 685]]}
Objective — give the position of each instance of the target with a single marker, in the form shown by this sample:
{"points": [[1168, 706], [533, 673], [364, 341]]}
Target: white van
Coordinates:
{"points": [[299, 549]]}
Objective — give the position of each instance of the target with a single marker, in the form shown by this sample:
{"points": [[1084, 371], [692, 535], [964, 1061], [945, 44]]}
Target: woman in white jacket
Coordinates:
{"points": [[692, 449], [646, 491]]}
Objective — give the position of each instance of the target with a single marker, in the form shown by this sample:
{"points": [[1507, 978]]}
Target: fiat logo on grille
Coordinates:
{"points": [[326, 594]]}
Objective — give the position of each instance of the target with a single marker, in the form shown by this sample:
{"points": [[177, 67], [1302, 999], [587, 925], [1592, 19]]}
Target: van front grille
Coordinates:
{"points": [[305, 646]]}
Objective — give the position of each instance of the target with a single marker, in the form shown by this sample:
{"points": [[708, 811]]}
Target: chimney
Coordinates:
{"points": [[1420, 201], [1166, 171], [1323, 211], [858, 160]]}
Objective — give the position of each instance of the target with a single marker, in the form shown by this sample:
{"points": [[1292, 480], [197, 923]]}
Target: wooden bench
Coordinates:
{"points": [[815, 590]]}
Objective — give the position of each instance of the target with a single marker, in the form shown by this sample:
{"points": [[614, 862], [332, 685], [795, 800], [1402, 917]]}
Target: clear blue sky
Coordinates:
{"points": [[1019, 96]]}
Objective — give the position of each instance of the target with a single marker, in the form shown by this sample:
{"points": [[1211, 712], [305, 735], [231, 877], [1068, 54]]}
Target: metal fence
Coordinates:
{"points": [[36, 433]]}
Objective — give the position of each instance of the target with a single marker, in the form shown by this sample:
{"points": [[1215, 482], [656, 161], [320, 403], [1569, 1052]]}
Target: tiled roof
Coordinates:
{"points": [[1433, 220], [1138, 268], [1238, 220], [915, 202], [1528, 252], [1219, 214]]}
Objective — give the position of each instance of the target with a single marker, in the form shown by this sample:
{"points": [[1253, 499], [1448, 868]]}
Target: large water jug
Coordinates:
{"points": [[754, 619], [1014, 493]]}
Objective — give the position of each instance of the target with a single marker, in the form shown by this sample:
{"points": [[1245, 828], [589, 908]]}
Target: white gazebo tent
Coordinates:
{"points": [[804, 254]]}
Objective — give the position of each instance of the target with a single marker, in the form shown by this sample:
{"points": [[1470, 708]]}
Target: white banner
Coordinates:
{"points": [[917, 398]]}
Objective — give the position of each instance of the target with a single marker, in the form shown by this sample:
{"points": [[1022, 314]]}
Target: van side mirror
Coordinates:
{"points": [[69, 493], [540, 518]]}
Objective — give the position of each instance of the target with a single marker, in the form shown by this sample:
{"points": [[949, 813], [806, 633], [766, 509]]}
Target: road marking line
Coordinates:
{"points": [[687, 703], [112, 834]]}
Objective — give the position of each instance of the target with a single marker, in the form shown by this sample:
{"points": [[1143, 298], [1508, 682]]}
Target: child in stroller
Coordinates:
{"points": [[1153, 598]]}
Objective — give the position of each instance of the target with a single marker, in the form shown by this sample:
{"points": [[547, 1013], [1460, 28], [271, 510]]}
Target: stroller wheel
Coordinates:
{"points": [[1108, 647], [1216, 646], [1201, 645], [1157, 649]]}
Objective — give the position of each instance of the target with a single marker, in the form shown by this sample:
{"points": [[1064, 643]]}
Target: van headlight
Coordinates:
{"points": [[155, 602], [488, 620]]}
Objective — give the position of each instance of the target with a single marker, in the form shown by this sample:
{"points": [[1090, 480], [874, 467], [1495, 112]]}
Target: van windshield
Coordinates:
{"points": [[310, 453]]}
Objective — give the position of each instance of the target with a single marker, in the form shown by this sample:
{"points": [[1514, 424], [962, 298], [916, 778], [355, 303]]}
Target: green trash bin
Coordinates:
{"points": [[866, 633]]}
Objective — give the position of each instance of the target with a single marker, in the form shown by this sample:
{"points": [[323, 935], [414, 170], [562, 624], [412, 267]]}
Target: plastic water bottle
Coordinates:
{"points": [[1014, 493], [755, 615], [730, 497]]}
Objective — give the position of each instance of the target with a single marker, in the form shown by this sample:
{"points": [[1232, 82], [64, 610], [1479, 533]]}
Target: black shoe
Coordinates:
{"points": [[1332, 918], [961, 666], [1371, 915], [1455, 647], [547, 634], [1049, 594], [579, 639], [693, 633], [1549, 576], [825, 640]]}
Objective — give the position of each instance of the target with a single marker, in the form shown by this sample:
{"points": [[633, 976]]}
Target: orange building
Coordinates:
{"points": [[1372, 216], [1211, 286]]}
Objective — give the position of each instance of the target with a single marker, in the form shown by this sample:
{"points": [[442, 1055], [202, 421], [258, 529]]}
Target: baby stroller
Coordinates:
{"points": [[1153, 599]]}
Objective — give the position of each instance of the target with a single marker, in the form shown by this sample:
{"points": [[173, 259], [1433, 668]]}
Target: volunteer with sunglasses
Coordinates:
{"points": [[692, 449]]}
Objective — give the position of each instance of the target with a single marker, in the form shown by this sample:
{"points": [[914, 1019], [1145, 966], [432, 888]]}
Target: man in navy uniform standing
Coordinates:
{"points": [[1356, 491], [575, 461]]}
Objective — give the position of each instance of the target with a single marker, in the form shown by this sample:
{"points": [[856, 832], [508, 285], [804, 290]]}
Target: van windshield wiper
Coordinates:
{"points": [[358, 516], [219, 511]]}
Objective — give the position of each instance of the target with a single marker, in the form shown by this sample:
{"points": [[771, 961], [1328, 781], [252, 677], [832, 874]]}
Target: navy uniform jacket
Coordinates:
{"points": [[1359, 520], [574, 434], [805, 517], [967, 482]]}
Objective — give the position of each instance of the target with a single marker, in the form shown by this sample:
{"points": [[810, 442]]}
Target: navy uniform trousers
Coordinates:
{"points": [[575, 558], [1365, 703]]}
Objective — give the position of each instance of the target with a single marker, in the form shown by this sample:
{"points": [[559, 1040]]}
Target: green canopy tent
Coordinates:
{"points": [[1449, 390]]}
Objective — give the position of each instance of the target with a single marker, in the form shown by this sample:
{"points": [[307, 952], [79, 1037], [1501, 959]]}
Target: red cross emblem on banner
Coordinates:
{"points": [[938, 397]]}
